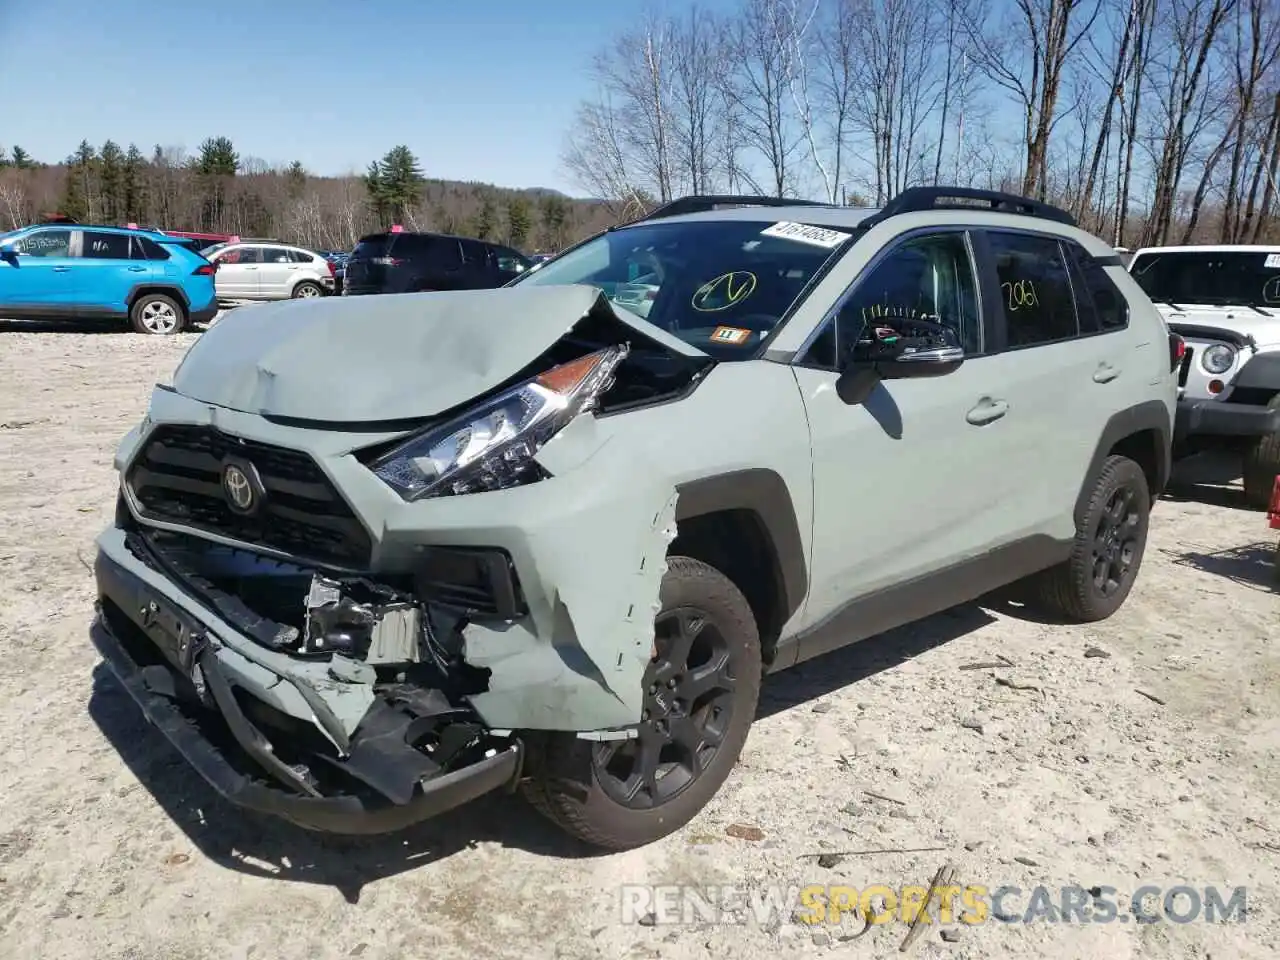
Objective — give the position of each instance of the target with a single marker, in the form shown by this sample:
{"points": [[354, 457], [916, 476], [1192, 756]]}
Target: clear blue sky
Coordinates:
{"points": [[478, 89]]}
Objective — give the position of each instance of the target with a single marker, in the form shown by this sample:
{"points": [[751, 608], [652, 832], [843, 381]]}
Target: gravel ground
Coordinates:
{"points": [[1053, 770]]}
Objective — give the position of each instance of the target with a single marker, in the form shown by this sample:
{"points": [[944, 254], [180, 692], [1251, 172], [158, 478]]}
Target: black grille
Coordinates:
{"points": [[178, 479]]}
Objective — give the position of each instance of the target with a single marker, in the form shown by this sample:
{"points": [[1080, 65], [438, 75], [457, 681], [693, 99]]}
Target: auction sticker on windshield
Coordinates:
{"points": [[803, 233], [729, 335], [1272, 261]]}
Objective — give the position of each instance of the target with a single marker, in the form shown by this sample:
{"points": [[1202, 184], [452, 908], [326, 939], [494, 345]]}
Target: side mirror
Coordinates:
{"points": [[898, 348], [8, 254]]}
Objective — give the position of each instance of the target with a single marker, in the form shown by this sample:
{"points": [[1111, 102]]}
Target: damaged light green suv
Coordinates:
{"points": [[375, 557]]}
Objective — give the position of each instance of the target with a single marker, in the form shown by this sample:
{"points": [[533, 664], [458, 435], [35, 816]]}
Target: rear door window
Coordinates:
{"points": [[414, 247], [298, 256], [275, 255], [104, 246], [1035, 289], [475, 254]]}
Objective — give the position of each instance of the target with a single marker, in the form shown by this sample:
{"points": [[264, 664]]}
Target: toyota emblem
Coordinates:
{"points": [[238, 489]]}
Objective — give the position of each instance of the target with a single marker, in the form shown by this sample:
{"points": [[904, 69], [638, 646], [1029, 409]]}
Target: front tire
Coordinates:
{"points": [[157, 315], [306, 289], [1262, 466], [702, 688], [1111, 538]]}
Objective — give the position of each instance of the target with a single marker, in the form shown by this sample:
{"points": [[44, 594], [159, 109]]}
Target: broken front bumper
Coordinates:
{"points": [[155, 643]]}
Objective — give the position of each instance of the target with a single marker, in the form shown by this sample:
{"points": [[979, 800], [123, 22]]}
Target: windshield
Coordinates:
{"points": [[719, 285], [1238, 278]]}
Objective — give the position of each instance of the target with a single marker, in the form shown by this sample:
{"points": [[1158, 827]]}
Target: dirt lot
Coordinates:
{"points": [[111, 848]]}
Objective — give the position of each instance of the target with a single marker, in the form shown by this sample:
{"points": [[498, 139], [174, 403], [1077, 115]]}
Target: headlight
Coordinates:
{"points": [[492, 446], [1218, 358]]}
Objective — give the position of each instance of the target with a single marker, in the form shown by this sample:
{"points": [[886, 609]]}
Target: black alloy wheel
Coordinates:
{"points": [[688, 707]]}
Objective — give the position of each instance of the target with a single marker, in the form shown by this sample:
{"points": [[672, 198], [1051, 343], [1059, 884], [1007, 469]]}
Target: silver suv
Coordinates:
{"points": [[375, 557], [268, 270]]}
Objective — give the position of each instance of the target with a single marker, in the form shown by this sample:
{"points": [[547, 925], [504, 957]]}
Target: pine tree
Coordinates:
{"points": [[555, 216], [4, 158], [111, 180], [215, 165], [22, 160], [133, 187], [519, 221], [295, 180], [485, 224], [394, 184]]}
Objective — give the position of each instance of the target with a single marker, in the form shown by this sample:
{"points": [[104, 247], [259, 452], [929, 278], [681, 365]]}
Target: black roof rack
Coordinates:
{"points": [[701, 204], [917, 199]]}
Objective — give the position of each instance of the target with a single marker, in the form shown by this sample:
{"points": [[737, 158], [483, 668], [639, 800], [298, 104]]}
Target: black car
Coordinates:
{"points": [[403, 262]]}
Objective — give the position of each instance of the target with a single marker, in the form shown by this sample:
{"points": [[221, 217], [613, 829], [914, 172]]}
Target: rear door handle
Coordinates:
{"points": [[987, 410], [137, 269], [61, 269], [1105, 373]]}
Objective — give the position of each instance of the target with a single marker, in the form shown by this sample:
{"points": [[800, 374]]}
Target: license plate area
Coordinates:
{"points": [[179, 638]]}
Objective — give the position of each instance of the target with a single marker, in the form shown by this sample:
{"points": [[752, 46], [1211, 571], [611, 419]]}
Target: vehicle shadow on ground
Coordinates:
{"points": [[1252, 565], [846, 666], [1210, 478], [270, 848]]}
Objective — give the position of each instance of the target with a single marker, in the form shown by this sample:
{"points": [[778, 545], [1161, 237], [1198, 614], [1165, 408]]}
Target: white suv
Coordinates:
{"points": [[269, 271], [1224, 301]]}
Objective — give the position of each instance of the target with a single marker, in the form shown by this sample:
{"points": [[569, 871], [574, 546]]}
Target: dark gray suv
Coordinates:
{"points": [[403, 262]]}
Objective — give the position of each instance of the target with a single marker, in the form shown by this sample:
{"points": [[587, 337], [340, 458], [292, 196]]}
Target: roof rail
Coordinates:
{"points": [[701, 204], [917, 199]]}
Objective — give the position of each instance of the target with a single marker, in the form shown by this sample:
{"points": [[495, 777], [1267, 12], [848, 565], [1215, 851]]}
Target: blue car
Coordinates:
{"points": [[61, 271]]}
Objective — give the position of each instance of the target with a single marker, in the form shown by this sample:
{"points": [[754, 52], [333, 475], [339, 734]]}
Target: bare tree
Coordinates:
{"points": [[1027, 59], [1257, 47], [898, 88], [1191, 30], [758, 89], [1267, 171], [13, 202], [696, 106], [1109, 66]]}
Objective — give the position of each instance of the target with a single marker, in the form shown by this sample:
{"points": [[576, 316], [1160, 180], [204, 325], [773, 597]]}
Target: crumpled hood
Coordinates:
{"points": [[387, 357], [1242, 320]]}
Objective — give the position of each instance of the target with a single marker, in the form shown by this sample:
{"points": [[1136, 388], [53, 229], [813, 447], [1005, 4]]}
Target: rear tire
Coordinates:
{"points": [[605, 793], [306, 289], [1262, 466], [1111, 538], [157, 315]]}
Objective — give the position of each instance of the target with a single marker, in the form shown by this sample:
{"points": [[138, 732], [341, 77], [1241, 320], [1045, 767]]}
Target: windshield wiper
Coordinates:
{"points": [[1265, 313], [1169, 303]]}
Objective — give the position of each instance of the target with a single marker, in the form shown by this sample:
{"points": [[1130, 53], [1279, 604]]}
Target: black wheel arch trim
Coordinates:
{"points": [[1260, 372], [764, 493], [166, 289], [1150, 415]]}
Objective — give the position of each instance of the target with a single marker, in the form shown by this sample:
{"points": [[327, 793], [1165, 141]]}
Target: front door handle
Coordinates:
{"points": [[137, 269], [1105, 373], [986, 411], [61, 269]]}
